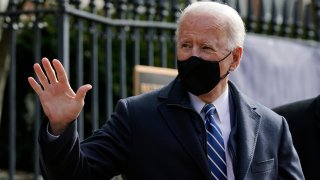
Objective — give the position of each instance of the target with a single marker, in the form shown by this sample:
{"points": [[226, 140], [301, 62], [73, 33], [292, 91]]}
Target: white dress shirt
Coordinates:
{"points": [[222, 118]]}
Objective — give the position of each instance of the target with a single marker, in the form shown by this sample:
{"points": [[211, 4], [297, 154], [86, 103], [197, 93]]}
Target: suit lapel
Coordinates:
{"points": [[180, 118], [247, 130], [180, 124]]}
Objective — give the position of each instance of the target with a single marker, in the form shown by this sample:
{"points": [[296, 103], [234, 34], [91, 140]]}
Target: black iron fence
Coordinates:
{"points": [[99, 43]]}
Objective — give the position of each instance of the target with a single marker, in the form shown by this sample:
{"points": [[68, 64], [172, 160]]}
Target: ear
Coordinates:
{"points": [[236, 54]]}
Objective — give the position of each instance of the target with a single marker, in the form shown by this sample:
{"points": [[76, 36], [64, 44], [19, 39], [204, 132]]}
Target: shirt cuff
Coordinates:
{"points": [[50, 136]]}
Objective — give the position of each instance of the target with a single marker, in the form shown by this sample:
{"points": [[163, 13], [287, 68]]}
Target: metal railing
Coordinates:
{"points": [[100, 44]]}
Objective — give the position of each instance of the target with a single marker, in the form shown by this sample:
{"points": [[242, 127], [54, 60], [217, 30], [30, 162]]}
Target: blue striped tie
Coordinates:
{"points": [[215, 145]]}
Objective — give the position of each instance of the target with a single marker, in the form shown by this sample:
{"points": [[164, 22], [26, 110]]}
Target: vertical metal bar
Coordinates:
{"points": [[108, 62], [285, 30], [37, 57], [136, 32], [176, 13], [122, 37], [238, 7], [13, 110], [296, 20], [94, 71], [109, 72], [308, 22], [79, 59], [187, 2], [175, 9], [225, 1], [163, 12], [63, 35], [251, 24], [316, 4], [164, 49], [273, 17], [277, 20], [150, 33], [263, 21], [12, 90]]}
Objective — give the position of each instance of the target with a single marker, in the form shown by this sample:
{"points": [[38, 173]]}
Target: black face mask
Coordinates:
{"points": [[199, 76]]}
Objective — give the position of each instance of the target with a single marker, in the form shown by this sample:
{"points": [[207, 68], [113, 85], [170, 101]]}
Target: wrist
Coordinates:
{"points": [[56, 129]]}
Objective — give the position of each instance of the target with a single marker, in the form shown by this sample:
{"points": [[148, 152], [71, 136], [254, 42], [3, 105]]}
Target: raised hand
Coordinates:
{"points": [[59, 102]]}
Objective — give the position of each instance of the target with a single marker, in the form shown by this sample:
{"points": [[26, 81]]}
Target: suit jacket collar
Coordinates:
{"points": [[246, 128], [174, 93], [244, 134]]}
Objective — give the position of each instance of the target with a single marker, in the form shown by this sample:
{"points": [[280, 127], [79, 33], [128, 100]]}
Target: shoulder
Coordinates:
{"points": [[296, 107], [155, 97], [241, 100], [249, 107], [147, 99], [138, 101]]}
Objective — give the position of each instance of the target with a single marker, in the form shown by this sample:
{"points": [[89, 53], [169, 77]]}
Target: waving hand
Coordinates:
{"points": [[59, 102]]}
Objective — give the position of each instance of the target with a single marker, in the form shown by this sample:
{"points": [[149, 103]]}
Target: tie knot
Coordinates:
{"points": [[209, 109]]}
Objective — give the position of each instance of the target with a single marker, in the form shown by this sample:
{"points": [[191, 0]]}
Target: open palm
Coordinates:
{"points": [[59, 102]]}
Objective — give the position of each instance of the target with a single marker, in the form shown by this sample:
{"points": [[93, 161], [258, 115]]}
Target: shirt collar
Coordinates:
{"points": [[221, 103]]}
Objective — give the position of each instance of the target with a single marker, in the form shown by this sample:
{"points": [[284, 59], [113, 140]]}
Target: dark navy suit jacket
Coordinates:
{"points": [[304, 122], [158, 136]]}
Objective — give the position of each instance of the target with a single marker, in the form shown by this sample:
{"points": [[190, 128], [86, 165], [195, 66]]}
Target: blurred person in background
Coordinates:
{"points": [[303, 118]]}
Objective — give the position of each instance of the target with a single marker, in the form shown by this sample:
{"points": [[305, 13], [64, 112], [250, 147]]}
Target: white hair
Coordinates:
{"points": [[225, 14]]}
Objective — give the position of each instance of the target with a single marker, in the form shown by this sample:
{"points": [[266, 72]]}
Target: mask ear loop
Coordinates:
{"points": [[228, 72], [225, 57], [225, 75]]}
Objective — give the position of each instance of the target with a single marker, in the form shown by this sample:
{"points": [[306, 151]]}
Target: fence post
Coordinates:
{"points": [[63, 35], [123, 54], [13, 26], [108, 60], [316, 4], [37, 57], [79, 59], [94, 69]]}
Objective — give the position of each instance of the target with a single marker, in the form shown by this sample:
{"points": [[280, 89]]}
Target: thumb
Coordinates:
{"points": [[82, 91]]}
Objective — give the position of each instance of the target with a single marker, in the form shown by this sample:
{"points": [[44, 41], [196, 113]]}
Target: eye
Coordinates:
{"points": [[208, 49], [185, 45]]}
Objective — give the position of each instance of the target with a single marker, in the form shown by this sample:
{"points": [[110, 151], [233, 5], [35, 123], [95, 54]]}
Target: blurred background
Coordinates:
{"points": [[101, 41]]}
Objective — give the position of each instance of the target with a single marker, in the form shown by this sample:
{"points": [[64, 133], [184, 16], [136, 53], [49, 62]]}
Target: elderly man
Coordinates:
{"points": [[200, 126]]}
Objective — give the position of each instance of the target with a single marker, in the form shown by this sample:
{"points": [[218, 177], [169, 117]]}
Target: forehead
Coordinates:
{"points": [[201, 25], [204, 18]]}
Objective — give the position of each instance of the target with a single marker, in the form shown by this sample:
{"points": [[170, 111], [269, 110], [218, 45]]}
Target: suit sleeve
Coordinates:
{"points": [[101, 156], [289, 163]]}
